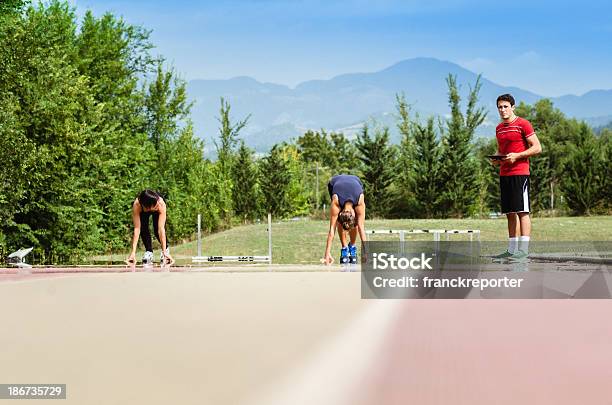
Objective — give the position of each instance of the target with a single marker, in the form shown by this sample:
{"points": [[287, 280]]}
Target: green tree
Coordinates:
{"points": [[228, 136], [325, 155], [460, 168], [545, 169], [83, 131], [559, 136], [55, 113], [246, 188], [113, 56], [315, 147], [345, 154], [406, 183], [378, 169], [226, 154], [586, 170], [489, 192], [427, 170], [9, 7], [283, 191], [166, 106]]}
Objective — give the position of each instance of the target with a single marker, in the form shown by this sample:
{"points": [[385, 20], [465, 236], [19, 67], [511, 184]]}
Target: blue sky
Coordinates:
{"points": [[551, 48]]}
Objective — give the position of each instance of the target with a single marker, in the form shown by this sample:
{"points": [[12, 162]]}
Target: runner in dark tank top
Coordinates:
{"points": [[347, 187], [346, 214], [149, 204]]}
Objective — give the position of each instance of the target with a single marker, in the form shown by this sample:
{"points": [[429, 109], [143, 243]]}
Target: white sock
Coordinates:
{"points": [[524, 243], [512, 244]]}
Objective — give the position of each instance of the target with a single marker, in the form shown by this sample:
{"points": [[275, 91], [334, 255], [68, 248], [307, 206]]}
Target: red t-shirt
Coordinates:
{"points": [[511, 137]]}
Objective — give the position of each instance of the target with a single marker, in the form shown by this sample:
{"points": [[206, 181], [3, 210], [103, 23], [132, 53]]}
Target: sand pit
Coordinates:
{"points": [[288, 337]]}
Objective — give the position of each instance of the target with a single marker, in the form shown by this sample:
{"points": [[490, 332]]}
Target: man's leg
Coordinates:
{"points": [[525, 226], [505, 194], [524, 223], [521, 202], [514, 230]]}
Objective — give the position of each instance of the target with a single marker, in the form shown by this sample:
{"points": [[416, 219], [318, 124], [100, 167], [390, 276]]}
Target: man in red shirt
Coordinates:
{"points": [[516, 142]]}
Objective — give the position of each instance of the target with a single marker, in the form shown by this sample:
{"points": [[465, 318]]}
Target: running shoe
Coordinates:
{"points": [[502, 257], [519, 257], [344, 255], [352, 253], [147, 258]]}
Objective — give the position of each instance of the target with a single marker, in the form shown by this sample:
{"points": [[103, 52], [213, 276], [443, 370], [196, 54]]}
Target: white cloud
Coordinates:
{"points": [[478, 65], [529, 57]]}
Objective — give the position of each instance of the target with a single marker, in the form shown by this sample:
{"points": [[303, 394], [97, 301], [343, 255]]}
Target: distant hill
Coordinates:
{"points": [[344, 102], [600, 128]]}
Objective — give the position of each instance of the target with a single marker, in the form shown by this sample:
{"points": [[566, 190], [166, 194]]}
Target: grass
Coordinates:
{"points": [[303, 241]]}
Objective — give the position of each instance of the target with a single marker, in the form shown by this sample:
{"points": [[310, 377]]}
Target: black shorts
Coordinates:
{"points": [[514, 193]]}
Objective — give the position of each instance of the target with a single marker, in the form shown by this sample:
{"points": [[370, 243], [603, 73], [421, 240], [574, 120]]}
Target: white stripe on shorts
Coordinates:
{"points": [[525, 197]]}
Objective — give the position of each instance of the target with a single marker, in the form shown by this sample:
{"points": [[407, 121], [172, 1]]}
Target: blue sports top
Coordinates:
{"points": [[347, 187]]}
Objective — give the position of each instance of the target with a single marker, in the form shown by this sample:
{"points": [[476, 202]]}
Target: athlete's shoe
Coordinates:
{"points": [[147, 258], [502, 256], [352, 254], [344, 255], [519, 257], [161, 256]]}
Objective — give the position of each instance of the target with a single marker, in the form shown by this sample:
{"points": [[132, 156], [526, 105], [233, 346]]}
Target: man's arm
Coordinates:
{"points": [[534, 148]]}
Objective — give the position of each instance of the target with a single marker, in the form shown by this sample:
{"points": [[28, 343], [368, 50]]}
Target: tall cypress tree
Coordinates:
{"points": [[226, 154], [246, 191], [427, 170], [405, 203], [586, 175], [459, 166], [378, 169], [274, 179], [344, 154]]}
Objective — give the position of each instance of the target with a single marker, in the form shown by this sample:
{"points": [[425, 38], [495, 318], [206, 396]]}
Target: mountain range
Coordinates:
{"points": [[345, 102]]}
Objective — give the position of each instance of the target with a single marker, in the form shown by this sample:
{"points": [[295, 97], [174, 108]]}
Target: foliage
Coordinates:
{"points": [[281, 182], [459, 167], [378, 169]]}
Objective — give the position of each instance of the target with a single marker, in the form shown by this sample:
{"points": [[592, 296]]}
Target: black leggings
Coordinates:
{"points": [[145, 232]]}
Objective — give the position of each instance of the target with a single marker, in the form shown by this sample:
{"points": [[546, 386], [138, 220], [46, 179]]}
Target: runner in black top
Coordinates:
{"points": [[346, 213], [149, 204]]}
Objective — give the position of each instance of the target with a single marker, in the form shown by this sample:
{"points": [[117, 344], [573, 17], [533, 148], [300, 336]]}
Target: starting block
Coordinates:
{"points": [[18, 258]]}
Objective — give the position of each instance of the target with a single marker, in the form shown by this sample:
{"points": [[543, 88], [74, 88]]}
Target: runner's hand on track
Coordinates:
{"points": [[168, 259], [131, 259], [327, 260]]}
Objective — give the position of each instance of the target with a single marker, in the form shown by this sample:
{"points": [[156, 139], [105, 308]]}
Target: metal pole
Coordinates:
{"points": [[270, 237], [199, 235], [317, 203]]}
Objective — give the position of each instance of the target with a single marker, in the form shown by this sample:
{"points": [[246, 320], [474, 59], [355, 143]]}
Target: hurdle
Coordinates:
{"points": [[18, 258], [436, 233], [240, 258]]}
